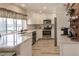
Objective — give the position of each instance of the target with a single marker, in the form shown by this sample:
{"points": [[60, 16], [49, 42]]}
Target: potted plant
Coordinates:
{"points": [[71, 11]]}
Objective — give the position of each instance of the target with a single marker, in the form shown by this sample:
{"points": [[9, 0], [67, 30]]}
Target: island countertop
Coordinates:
{"points": [[12, 40]]}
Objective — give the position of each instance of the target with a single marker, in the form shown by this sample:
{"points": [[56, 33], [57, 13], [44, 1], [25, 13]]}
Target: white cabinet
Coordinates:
{"points": [[35, 18], [52, 33], [34, 21], [69, 49], [37, 21], [25, 48], [29, 21], [39, 34], [52, 21]]}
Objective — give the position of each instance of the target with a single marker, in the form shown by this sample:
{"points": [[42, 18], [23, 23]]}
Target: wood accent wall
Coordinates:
{"points": [[76, 7], [75, 22]]}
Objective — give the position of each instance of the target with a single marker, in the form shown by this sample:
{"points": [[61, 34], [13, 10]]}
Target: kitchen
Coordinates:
{"points": [[17, 28], [28, 29]]}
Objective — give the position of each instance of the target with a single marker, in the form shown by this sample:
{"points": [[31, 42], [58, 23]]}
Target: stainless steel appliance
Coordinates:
{"points": [[33, 37], [47, 28]]}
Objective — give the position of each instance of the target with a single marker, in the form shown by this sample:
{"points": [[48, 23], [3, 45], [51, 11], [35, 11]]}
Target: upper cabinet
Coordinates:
{"points": [[37, 18]]}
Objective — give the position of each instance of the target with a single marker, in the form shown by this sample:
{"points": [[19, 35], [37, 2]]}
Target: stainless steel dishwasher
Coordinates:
{"points": [[33, 37]]}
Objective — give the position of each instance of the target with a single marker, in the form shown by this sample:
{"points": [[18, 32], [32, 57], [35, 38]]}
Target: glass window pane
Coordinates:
{"points": [[10, 25], [2, 25], [15, 24], [19, 25], [10, 40], [24, 24]]}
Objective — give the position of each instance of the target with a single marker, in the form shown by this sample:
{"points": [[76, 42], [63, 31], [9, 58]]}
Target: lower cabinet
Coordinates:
{"points": [[69, 49], [38, 34], [52, 33], [25, 48]]}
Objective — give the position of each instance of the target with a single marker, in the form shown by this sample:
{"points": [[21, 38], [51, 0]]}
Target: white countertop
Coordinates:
{"points": [[66, 40], [13, 39]]}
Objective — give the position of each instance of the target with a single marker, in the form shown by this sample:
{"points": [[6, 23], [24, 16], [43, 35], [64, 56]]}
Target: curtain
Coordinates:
{"points": [[10, 14]]}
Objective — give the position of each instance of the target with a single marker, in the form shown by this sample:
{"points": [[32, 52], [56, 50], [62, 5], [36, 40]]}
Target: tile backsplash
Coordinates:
{"points": [[35, 26]]}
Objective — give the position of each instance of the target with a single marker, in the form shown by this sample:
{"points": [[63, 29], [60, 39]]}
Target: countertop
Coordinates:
{"points": [[13, 39], [67, 40]]}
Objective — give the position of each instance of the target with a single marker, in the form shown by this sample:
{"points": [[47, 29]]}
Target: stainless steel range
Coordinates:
{"points": [[47, 28]]}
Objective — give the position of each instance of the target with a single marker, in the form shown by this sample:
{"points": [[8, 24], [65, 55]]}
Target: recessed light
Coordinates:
{"points": [[44, 7], [23, 5], [40, 11]]}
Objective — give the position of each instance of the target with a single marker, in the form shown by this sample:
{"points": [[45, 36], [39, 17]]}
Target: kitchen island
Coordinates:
{"points": [[21, 43]]}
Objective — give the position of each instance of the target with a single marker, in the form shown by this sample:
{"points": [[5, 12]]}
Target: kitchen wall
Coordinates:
{"points": [[60, 13], [62, 20], [35, 26], [38, 17]]}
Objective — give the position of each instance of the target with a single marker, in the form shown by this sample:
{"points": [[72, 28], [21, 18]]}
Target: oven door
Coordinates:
{"points": [[46, 32]]}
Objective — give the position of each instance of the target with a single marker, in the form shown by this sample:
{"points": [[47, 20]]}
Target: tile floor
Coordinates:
{"points": [[45, 47]]}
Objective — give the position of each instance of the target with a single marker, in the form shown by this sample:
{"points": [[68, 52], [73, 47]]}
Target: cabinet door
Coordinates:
{"points": [[31, 21], [40, 19], [52, 33], [71, 49], [39, 34], [26, 48]]}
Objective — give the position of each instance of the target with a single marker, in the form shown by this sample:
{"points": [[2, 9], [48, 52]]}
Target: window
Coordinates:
{"points": [[15, 25], [19, 24], [10, 40], [3, 41], [2, 25], [24, 24], [10, 22], [10, 25]]}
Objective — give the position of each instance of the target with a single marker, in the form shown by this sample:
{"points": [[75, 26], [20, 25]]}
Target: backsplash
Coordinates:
{"points": [[35, 26]]}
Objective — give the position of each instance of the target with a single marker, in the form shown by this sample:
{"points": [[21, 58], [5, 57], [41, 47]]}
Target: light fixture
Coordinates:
{"points": [[74, 17], [23, 5], [44, 7], [40, 11]]}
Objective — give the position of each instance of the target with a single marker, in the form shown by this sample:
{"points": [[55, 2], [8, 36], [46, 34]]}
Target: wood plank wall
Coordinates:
{"points": [[76, 22]]}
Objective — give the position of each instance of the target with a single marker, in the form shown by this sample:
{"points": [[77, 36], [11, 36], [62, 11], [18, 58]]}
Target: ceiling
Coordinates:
{"points": [[47, 8]]}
